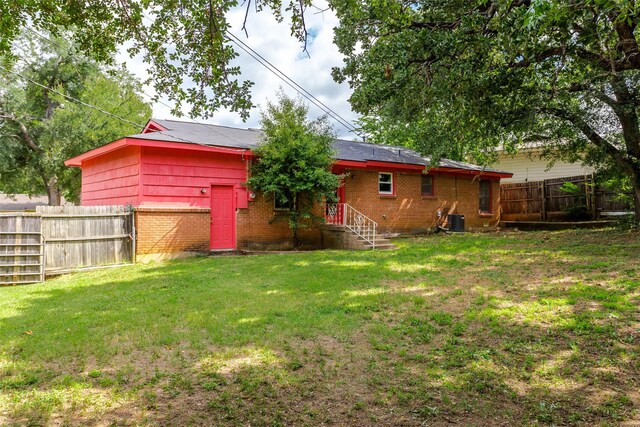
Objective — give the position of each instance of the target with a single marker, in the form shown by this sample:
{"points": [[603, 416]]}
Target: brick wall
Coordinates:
{"points": [[255, 228], [408, 210], [182, 230], [171, 231]]}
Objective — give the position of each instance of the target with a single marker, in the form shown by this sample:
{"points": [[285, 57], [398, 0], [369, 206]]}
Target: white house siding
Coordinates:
{"points": [[525, 168]]}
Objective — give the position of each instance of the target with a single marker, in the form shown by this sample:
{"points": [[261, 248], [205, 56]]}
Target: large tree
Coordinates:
{"points": [[186, 44], [483, 73], [40, 127], [293, 164]]}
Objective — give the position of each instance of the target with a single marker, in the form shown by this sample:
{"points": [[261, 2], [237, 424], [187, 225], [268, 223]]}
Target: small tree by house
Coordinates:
{"points": [[293, 164]]}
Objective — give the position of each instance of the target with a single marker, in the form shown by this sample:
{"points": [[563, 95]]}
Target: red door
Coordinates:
{"points": [[340, 192], [222, 218]]}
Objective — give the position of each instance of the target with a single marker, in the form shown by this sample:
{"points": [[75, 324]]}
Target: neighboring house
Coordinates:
{"points": [[187, 182], [22, 202], [526, 166]]}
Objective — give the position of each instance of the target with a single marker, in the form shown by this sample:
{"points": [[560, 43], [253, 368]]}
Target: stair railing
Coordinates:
{"points": [[360, 224]]}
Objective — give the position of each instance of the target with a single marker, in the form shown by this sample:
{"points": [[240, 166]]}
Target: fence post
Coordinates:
{"points": [[594, 195], [543, 194]]}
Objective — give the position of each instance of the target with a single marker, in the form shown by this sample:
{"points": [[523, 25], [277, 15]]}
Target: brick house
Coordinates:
{"points": [[186, 181]]}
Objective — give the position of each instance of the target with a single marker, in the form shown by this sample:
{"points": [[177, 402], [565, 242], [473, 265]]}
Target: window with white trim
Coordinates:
{"points": [[385, 183]]}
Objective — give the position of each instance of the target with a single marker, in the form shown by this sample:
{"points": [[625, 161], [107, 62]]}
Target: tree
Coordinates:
{"points": [[40, 128], [179, 40], [484, 73], [293, 164]]}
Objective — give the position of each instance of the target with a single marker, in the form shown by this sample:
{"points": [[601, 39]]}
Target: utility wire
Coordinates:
{"points": [[301, 90], [152, 98], [70, 98], [251, 52], [290, 82], [54, 43]]}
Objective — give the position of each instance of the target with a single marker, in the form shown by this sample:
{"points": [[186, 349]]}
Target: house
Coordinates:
{"points": [[23, 202], [186, 181], [526, 166]]}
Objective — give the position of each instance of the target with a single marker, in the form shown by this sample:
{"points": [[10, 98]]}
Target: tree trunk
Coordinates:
{"points": [[635, 181], [296, 216], [296, 243], [53, 192]]}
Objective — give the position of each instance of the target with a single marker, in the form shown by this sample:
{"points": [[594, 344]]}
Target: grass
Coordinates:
{"points": [[502, 328]]}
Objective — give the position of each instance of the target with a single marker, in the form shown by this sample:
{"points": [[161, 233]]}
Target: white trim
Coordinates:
{"points": [[385, 182]]}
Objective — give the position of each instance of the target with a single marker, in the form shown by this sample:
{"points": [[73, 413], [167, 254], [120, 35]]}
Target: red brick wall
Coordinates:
{"points": [[171, 230], [255, 228], [178, 230], [408, 210]]}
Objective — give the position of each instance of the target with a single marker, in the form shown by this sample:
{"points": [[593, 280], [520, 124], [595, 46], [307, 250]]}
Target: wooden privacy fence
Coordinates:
{"points": [[68, 238], [86, 236], [544, 200], [21, 249]]}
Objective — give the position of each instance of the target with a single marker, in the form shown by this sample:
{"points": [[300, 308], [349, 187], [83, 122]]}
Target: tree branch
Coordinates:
{"points": [[23, 130], [593, 136]]}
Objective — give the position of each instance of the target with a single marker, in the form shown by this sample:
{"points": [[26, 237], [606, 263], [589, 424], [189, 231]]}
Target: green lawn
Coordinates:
{"points": [[489, 329]]}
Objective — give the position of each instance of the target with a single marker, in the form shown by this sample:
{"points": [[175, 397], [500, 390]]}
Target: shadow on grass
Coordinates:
{"points": [[524, 328]]}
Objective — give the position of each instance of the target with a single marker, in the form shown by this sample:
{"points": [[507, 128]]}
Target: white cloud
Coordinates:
{"points": [[273, 41]]}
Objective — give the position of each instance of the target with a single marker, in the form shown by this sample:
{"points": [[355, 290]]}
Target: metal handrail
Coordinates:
{"points": [[349, 217]]}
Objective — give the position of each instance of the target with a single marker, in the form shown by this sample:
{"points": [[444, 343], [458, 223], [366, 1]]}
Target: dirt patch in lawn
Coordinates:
{"points": [[495, 329]]}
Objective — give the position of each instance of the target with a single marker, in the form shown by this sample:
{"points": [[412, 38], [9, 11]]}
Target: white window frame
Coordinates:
{"points": [[390, 192]]}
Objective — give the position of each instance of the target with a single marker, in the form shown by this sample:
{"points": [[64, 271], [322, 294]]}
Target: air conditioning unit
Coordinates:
{"points": [[456, 223]]}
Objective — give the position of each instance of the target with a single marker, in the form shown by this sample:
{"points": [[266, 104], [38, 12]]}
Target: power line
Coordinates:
{"points": [[286, 79], [152, 98], [262, 61], [283, 76], [70, 98]]}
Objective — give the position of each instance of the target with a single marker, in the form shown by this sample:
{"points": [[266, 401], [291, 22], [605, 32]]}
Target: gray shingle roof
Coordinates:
{"points": [[222, 136]]}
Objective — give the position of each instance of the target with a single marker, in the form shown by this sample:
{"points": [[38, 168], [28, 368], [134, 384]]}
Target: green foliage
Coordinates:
{"points": [[180, 41], [578, 209], [40, 129], [273, 337], [460, 78], [293, 165]]}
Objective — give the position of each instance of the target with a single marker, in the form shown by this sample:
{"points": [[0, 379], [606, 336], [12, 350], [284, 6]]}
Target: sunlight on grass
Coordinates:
{"points": [[407, 268], [365, 292], [480, 329], [231, 360], [348, 263], [249, 320], [37, 406], [544, 312]]}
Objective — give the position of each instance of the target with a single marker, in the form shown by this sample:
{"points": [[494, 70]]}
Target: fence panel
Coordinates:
{"points": [[522, 200], [543, 200], [87, 236], [558, 201], [21, 249]]}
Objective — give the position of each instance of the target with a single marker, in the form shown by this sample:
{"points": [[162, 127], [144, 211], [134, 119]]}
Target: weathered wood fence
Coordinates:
{"points": [[59, 239], [544, 200], [21, 249]]}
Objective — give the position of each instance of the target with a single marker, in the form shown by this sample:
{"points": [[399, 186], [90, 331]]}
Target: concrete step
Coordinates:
{"points": [[383, 247], [378, 241]]}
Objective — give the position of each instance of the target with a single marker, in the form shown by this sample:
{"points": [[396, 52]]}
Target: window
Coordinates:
{"points": [[485, 196], [385, 183], [280, 205], [427, 185]]}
